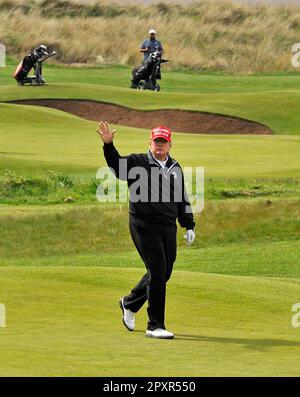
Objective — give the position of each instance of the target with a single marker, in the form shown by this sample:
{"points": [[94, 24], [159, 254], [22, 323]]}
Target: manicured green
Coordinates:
{"points": [[45, 136], [267, 259], [58, 324]]}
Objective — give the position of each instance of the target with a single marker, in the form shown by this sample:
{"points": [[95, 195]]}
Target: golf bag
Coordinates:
{"points": [[33, 60], [144, 77]]}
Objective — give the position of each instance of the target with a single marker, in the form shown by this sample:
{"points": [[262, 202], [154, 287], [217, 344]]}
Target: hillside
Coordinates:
{"points": [[204, 35]]}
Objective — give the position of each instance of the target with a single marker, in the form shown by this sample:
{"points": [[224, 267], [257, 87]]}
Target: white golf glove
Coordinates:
{"points": [[190, 236]]}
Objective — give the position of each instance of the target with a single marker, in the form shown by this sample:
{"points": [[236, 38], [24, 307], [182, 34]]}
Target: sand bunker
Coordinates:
{"points": [[178, 120]]}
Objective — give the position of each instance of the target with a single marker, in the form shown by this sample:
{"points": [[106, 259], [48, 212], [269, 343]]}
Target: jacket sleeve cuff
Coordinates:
{"points": [[108, 145], [190, 227]]}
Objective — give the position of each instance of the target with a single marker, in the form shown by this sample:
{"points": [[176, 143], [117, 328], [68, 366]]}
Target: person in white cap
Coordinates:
{"points": [[151, 45]]}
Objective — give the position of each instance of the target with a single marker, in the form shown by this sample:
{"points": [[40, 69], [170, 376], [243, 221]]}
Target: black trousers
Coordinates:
{"points": [[157, 248]]}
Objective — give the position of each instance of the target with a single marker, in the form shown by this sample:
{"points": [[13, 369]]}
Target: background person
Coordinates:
{"points": [[152, 45]]}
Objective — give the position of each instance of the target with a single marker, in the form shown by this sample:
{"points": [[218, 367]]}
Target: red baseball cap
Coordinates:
{"points": [[161, 132]]}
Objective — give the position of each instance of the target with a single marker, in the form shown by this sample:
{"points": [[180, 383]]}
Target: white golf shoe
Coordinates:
{"points": [[159, 333], [128, 316]]}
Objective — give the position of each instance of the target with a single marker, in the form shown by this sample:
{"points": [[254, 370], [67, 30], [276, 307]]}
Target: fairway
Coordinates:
{"points": [[225, 325], [60, 139], [66, 259]]}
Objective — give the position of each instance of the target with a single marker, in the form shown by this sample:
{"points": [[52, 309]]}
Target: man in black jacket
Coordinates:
{"points": [[157, 199]]}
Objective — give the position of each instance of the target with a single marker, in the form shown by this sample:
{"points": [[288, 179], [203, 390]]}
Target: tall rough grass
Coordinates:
{"points": [[201, 35], [93, 229]]}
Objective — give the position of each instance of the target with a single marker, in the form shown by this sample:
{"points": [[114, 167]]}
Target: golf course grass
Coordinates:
{"points": [[225, 325], [66, 259]]}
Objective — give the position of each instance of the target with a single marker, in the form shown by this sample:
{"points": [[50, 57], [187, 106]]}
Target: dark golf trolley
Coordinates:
{"points": [[33, 60], [145, 76]]}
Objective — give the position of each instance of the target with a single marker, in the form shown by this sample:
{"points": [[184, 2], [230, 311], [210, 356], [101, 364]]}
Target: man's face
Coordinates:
{"points": [[152, 36], [160, 147]]}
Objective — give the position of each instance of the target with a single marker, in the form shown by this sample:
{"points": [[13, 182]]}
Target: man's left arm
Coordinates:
{"points": [[185, 215], [145, 47], [160, 49]]}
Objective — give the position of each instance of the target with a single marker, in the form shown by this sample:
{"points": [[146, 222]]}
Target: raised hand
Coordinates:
{"points": [[106, 134]]}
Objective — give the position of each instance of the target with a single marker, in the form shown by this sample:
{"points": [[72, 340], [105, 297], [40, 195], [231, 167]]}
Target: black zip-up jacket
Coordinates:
{"points": [[161, 211]]}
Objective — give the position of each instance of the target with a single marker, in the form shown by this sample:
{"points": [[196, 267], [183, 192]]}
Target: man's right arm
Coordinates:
{"points": [[111, 154], [120, 164], [144, 47]]}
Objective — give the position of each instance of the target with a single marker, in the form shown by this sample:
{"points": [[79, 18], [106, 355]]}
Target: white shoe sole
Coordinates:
{"points": [[159, 337]]}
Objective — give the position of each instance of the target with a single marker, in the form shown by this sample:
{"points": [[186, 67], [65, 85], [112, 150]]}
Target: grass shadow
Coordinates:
{"points": [[19, 153], [252, 344]]}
